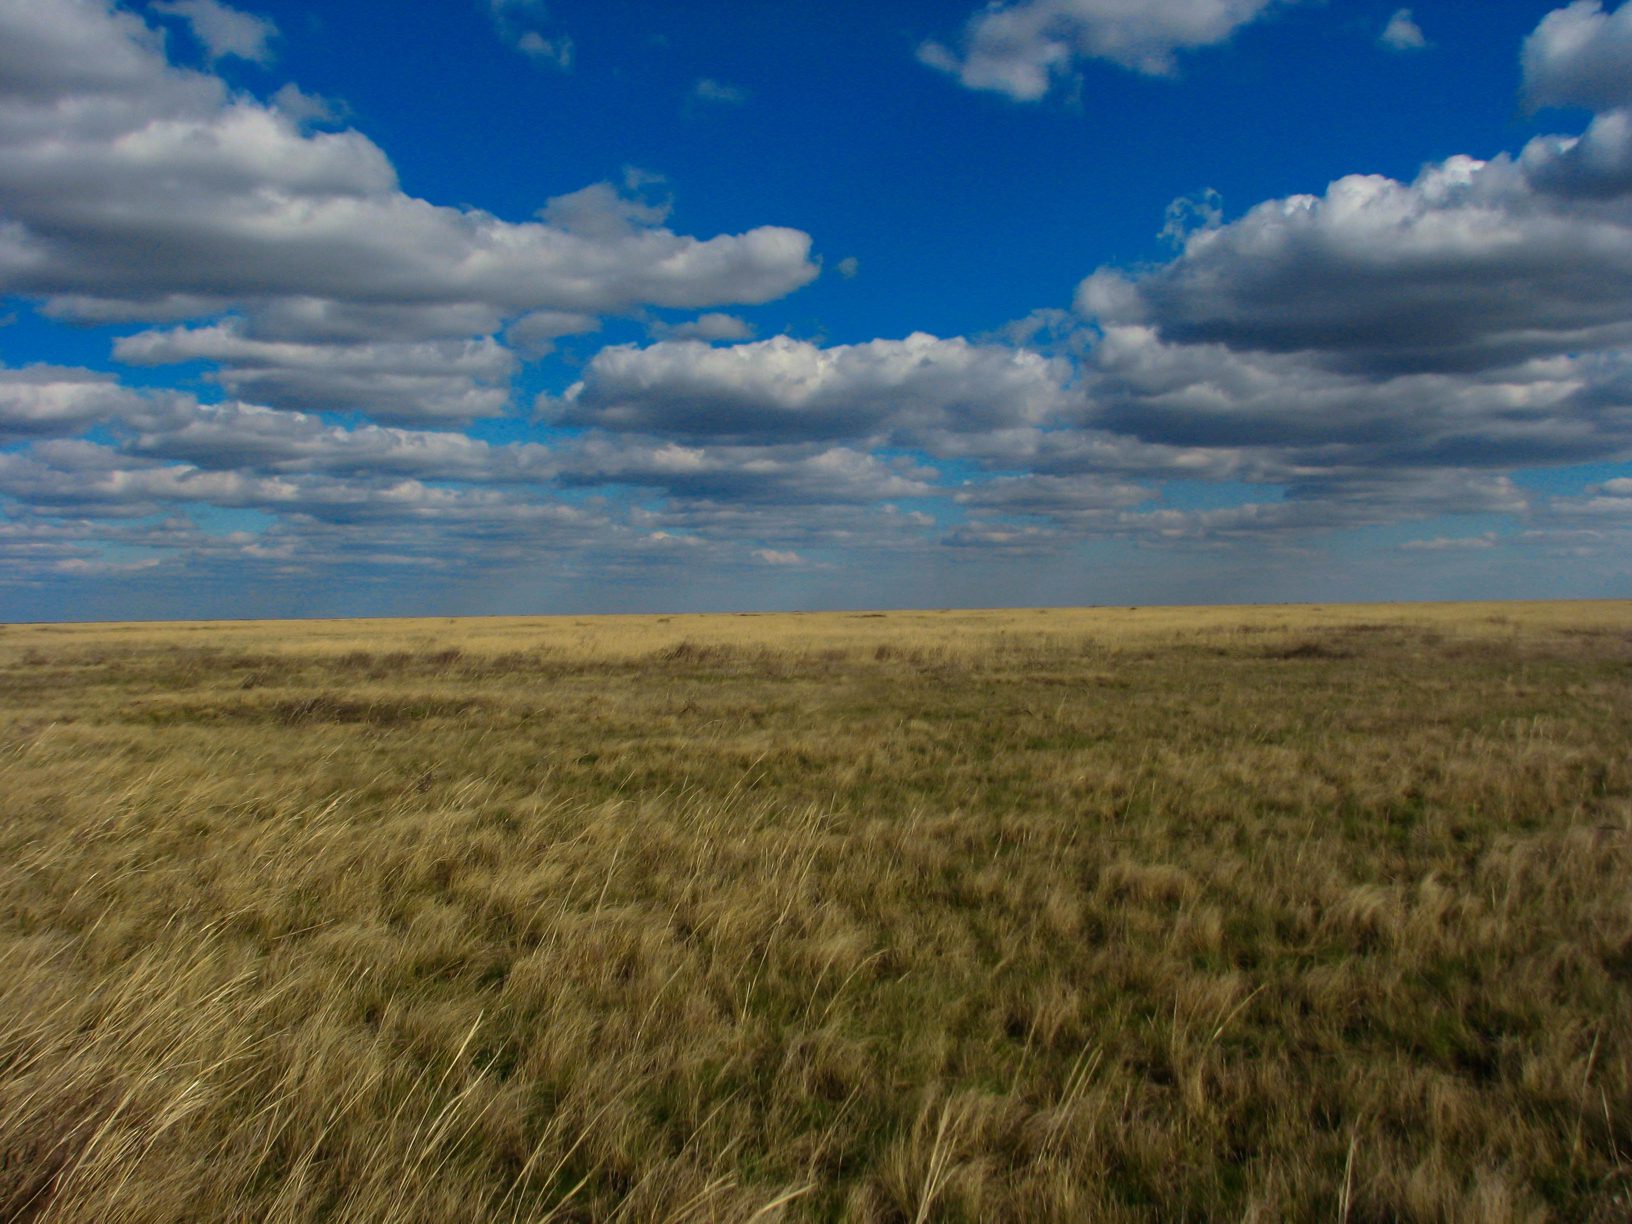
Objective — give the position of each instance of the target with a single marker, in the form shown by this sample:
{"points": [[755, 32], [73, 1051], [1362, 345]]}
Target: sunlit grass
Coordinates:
{"points": [[1279, 913]]}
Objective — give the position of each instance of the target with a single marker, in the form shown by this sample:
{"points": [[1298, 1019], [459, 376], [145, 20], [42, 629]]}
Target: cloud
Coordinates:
{"points": [[249, 437], [397, 494], [1560, 409], [40, 403], [1188, 214], [1471, 267], [1031, 511], [519, 24], [1079, 450], [1595, 165], [707, 89], [1580, 56], [1381, 351], [83, 478], [83, 499], [51, 401], [1023, 49], [1476, 543], [424, 381], [783, 389], [1607, 499], [848, 267], [100, 460], [137, 191], [1594, 526], [535, 334], [1007, 538], [1378, 353], [223, 30], [101, 568], [1334, 504], [602, 211], [78, 478], [307, 108], [777, 556], [1402, 33], [556, 51], [860, 527], [327, 535], [711, 326], [746, 475], [306, 320], [1059, 497]]}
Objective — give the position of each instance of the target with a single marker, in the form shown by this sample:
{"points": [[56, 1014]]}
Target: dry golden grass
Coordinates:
{"points": [[1269, 914]]}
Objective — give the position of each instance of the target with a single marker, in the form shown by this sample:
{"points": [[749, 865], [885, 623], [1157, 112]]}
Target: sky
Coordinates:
{"points": [[573, 306]]}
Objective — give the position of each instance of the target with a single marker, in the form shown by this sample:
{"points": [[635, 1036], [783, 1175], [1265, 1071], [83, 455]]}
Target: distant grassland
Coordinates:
{"points": [[1153, 914]]}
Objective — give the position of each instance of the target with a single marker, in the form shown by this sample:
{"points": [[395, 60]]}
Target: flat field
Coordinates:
{"points": [[1118, 914]]}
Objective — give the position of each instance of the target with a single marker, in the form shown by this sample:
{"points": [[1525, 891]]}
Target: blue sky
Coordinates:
{"points": [[496, 306]]}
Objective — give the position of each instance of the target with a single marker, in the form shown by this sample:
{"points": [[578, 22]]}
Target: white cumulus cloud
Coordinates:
{"points": [[222, 29], [1470, 267], [1402, 33], [49, 401], [521, 24], [707, 89], [785, 389], [132, 189], [777, 556], [418, 381], [1580, 55], [1023, 49], [715, 325]]}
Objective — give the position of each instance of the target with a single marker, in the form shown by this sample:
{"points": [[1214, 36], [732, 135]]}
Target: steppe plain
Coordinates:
{"points": [[1282, 913]]}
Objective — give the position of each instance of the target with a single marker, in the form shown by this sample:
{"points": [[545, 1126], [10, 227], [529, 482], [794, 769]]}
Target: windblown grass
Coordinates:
{"points": [[1271, 914]]}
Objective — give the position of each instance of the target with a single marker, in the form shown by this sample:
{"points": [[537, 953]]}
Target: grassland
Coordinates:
{"points": [[1250, 914]]}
